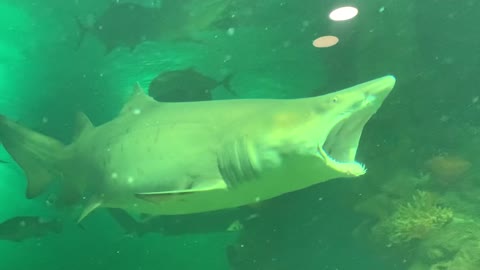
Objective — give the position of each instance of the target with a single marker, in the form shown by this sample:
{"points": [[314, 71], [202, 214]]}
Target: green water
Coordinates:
{"points": [[424, 137]]}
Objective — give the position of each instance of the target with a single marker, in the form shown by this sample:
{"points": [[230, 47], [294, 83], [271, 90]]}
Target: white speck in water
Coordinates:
{"points": [[44, 119], [381, 9], [475, 99], [444, 118], [227, 58], [23, 223], [108, 150], [130, 179], [231, 31], [114, 175], [257, 199], [137, 111]]}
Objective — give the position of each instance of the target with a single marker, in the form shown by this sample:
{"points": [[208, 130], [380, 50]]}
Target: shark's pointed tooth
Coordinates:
{"points": [[138, 101]]}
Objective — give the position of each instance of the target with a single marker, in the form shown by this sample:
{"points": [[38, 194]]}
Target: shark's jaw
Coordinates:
{"points": [[339, 146]]}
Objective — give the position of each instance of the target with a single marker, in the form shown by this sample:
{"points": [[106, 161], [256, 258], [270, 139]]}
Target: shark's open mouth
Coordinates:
{"points": [[340, 147]]}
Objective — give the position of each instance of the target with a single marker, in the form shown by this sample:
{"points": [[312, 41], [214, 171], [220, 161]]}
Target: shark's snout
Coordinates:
{"points": [[339, 148]]}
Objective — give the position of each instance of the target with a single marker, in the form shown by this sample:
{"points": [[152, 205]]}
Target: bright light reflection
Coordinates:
{"points": [[325, 41], [343, 13]]}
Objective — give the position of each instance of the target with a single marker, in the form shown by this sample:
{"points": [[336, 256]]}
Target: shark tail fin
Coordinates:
{"points": [[38, 155], [82, 31]]}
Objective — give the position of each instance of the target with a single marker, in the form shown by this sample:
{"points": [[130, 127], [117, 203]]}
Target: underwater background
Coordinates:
{"points": [[415, 209]]}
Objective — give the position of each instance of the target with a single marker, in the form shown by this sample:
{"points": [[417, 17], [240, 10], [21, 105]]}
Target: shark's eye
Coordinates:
{"points": [[335, 99]]}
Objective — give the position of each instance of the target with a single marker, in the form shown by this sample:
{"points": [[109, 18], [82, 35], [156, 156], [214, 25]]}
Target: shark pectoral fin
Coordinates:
{"points": [[93, 204], [159, 197]]}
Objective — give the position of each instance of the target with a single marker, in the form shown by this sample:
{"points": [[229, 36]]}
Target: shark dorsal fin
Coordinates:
{"points": [[83, 124], [137, 102]]}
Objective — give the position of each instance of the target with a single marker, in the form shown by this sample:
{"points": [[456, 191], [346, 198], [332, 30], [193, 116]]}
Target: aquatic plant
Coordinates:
{"points": [[415, 219], [448, 170]]}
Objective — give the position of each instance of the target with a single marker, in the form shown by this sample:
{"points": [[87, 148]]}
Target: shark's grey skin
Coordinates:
{"points": [[179, 158]]}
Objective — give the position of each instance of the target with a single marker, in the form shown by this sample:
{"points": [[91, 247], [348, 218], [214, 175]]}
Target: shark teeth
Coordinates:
{"points": [[352, 168]]}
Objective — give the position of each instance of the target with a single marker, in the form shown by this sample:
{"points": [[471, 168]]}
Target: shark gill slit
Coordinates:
{"points": [[234, 163]]}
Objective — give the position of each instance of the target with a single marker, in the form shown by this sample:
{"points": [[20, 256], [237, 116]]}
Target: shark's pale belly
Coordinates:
{"points": [[165, 170], [267, 185]]}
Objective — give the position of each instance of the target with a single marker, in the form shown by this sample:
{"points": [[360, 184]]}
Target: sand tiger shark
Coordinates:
{"points": [[162, 158]]}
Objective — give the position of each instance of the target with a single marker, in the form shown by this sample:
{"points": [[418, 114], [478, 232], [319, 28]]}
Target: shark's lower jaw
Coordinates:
{"points": [[340, 147], [352, 168]]}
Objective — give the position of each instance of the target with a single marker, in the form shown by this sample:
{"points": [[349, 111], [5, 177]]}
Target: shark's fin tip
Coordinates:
{"points": [[137, 101], [91, 206], [83, 124]]}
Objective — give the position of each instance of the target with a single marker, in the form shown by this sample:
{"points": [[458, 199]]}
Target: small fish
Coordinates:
{"points": [[21, 228], [185, 85], [200, 223]]}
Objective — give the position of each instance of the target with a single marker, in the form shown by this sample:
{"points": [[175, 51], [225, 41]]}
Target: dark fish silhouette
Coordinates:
{"points": [[130, 24], [185, 85], [21, 228], [201, 223], [123, 24]]}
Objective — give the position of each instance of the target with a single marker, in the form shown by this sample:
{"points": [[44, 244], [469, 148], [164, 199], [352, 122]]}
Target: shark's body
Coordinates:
{"points": [[179, 158]]}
